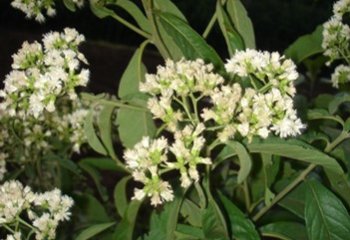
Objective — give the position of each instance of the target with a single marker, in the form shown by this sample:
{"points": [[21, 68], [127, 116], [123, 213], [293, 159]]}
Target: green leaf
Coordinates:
{"points": [[91, 135], [120, 198], [325, 215], [134, 124], [190, 212], [91, 210], [94, 230], [98, 8], [340, 184], [102, 164], [163, 225], [191, 44], [213, 222], [233, 39], [295, 201], [135, 12], [241, 226], [284, 230], [297, 150], [242, 22], [125, 228], [167, 6], [337, 101], [70, 5], [317, 114], [244, 160], [96, 177], [105, 127], [133, 75], [188, 232], [306, 46]]}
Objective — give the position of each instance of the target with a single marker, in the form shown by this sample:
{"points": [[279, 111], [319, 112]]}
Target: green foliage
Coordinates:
{"points": [[191, 44], [241, 226], [284, 230], [306, 46], [134, 124], [233, 39], [325, 215], [242, 22], [94, 230], [269, 177]]}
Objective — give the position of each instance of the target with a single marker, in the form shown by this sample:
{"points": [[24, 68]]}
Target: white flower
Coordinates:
{"points": [[146, 154], [45, 210], [182, 77], [336, 36], [268, 68], [14, 236], [36, 8], [340, 8], [341, 75], [3, 170]]}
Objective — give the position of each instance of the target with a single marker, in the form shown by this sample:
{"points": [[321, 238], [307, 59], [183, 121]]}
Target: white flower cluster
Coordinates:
{"points": [[336, 37], [175, 81], [38, 104], [44, 210], [341, 75], [42, 74], [149, 158], [36, 8], [264, 68], [190, 100]]}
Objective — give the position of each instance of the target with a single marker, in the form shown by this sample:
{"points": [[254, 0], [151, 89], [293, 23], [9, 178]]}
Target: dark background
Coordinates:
{"points": [[110, 45]]}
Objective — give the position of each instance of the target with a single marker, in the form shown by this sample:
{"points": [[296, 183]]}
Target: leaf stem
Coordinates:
{"points": [[285, 191], [157, 40], [210, 25], [131, 26]]}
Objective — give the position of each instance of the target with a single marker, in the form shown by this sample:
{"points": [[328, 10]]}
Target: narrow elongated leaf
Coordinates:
{"points": [[241, 226], [191, 44], [136, 13], [167, 6], [295, 150], [233, 39], [125, 228], [306, 46], [105, 127], [242, 22], [325, 215], [94, 230], [133, 75], [284, 230], [91, 135], [244, 160], [133, 125], [102, 163], [120, 198], [317, 114]]}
